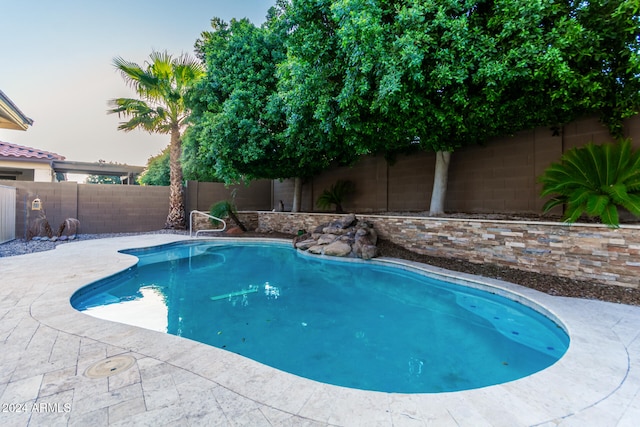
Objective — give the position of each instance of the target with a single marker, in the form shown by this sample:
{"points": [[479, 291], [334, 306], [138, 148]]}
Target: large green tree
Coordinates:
{"points": [[439, 75], [603, 58], [238, 121], [158, 171], [246, 122], [311, 78], [161, 84], [234, 124]]}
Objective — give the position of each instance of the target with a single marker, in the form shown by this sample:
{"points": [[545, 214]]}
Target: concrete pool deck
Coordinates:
{"points": [[46, 346]]}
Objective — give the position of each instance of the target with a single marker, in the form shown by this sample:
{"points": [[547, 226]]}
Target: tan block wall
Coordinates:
{"points": [[581, 251], [59, 201], [370, 195], [283, 190], [99, 208], [106, 208], [410, 182], [255, 196], [500, 176]]}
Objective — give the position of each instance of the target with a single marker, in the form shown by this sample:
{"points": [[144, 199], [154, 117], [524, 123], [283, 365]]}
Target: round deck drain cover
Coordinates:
{"points": [[111, 366]]}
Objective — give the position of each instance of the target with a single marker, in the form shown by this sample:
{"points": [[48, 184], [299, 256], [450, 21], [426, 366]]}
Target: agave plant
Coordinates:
{"points": [[595, 180], [335, 195]]}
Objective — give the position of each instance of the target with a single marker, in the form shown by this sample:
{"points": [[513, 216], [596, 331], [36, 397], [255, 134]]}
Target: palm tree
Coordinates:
{"points": [[161, 85]]}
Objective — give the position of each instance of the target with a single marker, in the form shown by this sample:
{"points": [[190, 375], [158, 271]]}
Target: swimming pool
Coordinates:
{"points": [[360, 325]]}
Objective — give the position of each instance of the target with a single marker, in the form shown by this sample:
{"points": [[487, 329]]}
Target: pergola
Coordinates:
{"points": [[125, 172]]}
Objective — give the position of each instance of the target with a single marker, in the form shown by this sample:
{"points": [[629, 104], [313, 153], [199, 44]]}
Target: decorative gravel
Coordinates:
{"points": [[21, 247]]}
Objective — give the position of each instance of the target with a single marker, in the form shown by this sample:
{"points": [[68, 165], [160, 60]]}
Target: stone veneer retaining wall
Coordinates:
{"points": [[581, 251], [248, 218]]}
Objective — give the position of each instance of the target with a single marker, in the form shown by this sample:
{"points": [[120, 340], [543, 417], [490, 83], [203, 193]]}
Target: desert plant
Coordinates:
{"points": [[161, 85], [335, 195], [595, 180], [225, 209]]}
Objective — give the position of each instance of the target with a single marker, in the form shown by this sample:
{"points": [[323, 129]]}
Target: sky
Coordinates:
{"points": [[56, 65]]}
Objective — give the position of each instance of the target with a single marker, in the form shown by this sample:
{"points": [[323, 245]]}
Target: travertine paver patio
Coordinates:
{"points": [[46, 346]]}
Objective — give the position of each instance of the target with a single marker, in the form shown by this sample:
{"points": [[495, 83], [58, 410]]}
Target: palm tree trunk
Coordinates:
{"points": [[176, 217]]}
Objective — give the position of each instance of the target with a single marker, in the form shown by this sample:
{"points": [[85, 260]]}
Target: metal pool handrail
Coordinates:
{"points": [[224, 224]]}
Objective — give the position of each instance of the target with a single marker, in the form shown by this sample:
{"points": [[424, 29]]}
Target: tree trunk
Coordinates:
{"points": [[440, 179], [297, 194], [235, 219], [176, 217]]}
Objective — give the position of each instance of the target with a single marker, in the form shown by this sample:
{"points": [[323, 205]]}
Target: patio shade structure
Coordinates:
{"points": [[128, 173]]}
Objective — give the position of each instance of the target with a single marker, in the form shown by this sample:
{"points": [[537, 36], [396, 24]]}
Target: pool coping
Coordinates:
{"points": [[597, 382]]}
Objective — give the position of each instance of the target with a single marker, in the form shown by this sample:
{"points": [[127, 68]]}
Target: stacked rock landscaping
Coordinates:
{"points": [[344, 237]]}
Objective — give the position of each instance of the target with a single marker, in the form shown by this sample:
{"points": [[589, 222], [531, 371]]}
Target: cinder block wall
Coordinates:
{"points": [[581, 251], [500, 176], [59, 201], [255, 196], [102, 208], [106, 208]]}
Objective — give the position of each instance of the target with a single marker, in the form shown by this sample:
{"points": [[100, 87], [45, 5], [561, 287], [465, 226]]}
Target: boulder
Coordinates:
{"points": [[343, 237], [344, 222], [368, 251], [316, 249], [334, 230], [337, 248], [300, 238], [305, 244], [68, 229], [325, 239], [39, 228], [373, 236], [363, 248]]}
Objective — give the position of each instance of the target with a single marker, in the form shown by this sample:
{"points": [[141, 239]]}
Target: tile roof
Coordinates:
{"points": [[16, 151]]}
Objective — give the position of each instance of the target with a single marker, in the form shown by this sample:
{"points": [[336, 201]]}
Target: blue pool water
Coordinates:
{"points": [[357, 325]]}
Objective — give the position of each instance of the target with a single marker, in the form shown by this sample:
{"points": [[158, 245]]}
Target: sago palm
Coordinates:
{"points": [[161, 84], [595, 180], [335, 195]]}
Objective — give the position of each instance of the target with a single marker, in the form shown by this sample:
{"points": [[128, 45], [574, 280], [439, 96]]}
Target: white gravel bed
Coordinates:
{"points": [[21, 246]]}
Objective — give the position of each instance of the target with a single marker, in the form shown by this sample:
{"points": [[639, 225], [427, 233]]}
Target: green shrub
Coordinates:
{"points": [[335, 195], [595, 180], [225, 209]]}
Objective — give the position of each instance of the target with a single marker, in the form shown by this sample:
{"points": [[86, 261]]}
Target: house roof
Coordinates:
{"points": [[20, 152], [10, 115]]}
